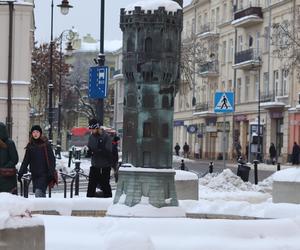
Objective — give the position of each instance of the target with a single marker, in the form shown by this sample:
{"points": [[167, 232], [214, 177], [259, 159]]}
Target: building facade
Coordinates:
{"points": [[16, 44], [234, 48]]}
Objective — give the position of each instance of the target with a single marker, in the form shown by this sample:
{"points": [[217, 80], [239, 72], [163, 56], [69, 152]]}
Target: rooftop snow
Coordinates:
{"points": [[152, 5]]}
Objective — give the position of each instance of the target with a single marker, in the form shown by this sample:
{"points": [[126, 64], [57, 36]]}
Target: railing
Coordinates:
{"points": [[247, 55], [266, 97], [209, 67], [250, 11], [208, 27], [201, 107]]}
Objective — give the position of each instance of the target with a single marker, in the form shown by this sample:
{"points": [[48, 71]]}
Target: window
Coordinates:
{"points": [[257, 87], [199, 23], [148, 45], [238, 91], [224, 52], [224, 15], [146, 159], [230, 88], [266, 84], [165, 102], [218, 15], [240, 43], [284, 79], [266, 39], [213, 19], [147, 129], [223, 86], [247, 88], [148, 101], [165, 130], [276, 82], [129, 128], [169, 47], [231, 51], [130, 45]]}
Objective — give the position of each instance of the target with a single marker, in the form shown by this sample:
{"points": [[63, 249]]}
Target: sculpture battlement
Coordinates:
{"points": [[159, 15]]}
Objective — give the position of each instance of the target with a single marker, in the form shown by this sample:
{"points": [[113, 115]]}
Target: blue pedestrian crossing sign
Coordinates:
{"points": [[224, 102], [98, 82]]}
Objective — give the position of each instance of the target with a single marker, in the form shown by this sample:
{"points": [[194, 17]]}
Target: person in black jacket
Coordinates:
{"points": [[115, 156], [177, 148], [295, 154], [273, 153], [41, 160], [100, 150], [8, 160]]}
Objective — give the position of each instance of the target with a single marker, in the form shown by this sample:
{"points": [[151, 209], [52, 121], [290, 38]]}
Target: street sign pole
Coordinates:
{"points": [[224, 140], [224, 103]]}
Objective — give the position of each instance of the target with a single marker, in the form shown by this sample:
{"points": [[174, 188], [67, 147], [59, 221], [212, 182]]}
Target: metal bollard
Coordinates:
{"points": [[77, 169], [255, 171], [211, 167], [70, 158], [278, 166]]}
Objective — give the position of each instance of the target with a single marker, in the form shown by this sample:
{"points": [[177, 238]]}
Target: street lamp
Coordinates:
{"points": [[101, 61], [64, 10], [69, 35], [258, 115]]}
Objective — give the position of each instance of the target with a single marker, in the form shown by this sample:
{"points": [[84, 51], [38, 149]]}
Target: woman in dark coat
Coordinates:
{"points": [[295, 154], [8, 160], [273, 153], [41, 160]]}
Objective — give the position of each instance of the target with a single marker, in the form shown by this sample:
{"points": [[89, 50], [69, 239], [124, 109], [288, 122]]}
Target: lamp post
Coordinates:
{"points": [[101, 62], [258, 115], [64, 6], [69, 36]]}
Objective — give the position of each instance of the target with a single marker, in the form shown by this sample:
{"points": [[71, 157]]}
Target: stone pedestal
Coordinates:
{"points": [[286, 192], [187, 189], [23, 238], [155, 184]]}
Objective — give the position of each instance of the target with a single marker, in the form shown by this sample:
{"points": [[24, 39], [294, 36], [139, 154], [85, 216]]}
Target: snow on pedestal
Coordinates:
{"points": [[286, 186], [16, 223]]}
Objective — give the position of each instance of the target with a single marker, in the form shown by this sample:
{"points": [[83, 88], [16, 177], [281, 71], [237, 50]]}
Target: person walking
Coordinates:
{"points": [[273, 153], [115, 156], [177, 148], [295, 154], [8, 160], [186, 149], [41, 160], [100, 150]]}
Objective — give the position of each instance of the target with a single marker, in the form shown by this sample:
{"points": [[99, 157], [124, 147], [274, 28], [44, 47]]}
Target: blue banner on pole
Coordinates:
{"points": [[98, 82]]}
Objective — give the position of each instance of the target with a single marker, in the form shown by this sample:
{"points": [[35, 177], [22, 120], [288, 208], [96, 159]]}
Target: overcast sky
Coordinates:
{"points": [[84, 16]]}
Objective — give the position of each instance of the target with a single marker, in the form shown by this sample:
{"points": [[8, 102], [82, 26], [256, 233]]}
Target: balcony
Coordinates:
{"points": [[248, 17], [209, 69], [200, 107], [267, 96], [208, 30], [247, 59]]}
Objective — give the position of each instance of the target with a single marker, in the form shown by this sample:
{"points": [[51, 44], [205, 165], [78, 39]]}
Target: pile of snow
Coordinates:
{"points": [[152, 5], [182, 175], [15, 212], [226, 181]]}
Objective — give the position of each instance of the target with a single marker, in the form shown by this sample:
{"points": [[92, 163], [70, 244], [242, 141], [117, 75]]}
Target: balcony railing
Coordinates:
{"points": [[209, 69], [267, 96], [247, 59], [248, 16], [200, 107], [207, 30]]}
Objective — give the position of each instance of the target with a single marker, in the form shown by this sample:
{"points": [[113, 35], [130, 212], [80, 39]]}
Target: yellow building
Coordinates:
{"points": [[232, 46]]}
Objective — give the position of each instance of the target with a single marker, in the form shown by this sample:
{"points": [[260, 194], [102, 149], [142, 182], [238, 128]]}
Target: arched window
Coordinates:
{"points": [[130, 45], [169, 46], [165, 102], [148, 45], [147, 129]]}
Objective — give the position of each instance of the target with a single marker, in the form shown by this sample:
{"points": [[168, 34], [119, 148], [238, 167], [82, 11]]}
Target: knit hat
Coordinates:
{"points": [[93, 123], [37, 128]]}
